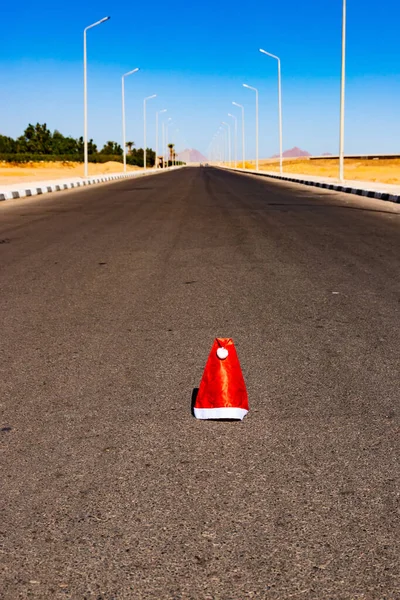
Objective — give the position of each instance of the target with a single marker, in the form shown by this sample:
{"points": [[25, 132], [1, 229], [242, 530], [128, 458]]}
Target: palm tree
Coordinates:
{"points": [[171, 151], [129, 145]]}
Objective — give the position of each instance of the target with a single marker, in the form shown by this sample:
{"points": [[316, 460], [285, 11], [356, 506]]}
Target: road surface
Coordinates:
{"points": [[110, 300]]}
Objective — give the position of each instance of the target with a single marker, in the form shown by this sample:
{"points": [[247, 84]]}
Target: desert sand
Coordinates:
{"points": [[43, 171], [384, 170]]}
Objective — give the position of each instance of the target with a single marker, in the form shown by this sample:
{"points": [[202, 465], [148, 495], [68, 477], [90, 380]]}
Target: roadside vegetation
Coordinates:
{"points": [[41, 154], [38, 143]]}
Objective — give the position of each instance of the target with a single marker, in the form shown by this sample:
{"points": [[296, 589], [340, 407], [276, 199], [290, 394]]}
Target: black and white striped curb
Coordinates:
{"points": [[328, 186], [58, 186]]}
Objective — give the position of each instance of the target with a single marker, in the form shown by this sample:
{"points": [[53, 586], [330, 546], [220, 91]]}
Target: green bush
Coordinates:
{"points": [[26, 158], [39, 144]]}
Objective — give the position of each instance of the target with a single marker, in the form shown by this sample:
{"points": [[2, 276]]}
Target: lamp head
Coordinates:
{"points": [[269, 54], [97, 23], [250, 87], [131, 72]]}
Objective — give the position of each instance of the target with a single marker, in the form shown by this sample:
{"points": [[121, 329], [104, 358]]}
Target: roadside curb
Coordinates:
{"points": [[44, 187], [329, 186]]}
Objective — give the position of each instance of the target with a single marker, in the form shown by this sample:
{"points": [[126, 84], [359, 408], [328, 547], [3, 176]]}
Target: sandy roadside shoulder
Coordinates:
{"points": [[385, 170], [382, 170], [22, 174]]}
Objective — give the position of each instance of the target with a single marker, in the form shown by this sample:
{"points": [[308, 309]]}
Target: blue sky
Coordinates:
{"points": [[195, 57]]}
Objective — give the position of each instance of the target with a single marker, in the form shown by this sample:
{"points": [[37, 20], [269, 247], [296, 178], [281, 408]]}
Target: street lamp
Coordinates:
{"points": [[212, 153], [280, 107], [223, 136], [167, 124], [221, 144], [229, 141], [85, 133], [123, 114], [249, 87], [224, 133], [144, 125], [215, 149], [163, 140], [233, 117], [243, 156], [342, 95], [175, 154], [158, 113], [210, 150], [172, 150]]}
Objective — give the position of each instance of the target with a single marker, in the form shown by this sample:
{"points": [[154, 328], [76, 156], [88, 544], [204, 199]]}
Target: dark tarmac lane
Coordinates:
{"points": [[110, 300]]}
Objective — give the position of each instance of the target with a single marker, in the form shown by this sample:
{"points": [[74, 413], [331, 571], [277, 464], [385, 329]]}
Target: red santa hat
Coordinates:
{"points": [[222, 393]]}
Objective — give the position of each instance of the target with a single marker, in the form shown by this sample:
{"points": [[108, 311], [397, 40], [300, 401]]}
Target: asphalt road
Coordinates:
{"points": [[110, 300]]}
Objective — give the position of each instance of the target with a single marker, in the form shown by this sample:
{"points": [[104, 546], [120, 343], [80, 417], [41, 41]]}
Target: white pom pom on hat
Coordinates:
{"points": [[222, 353]]}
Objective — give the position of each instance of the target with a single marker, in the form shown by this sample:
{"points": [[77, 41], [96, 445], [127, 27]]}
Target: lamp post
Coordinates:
{"points": [[167, 124], [85, 124], [175, 154], [235, 144], [123, 114], [218, 147], [144, 126], [225, 142], [171, 152], [229, 141], [280, 107], [210, 151], [215, 148], [158, 113], [221, 137], [342, 95], [243, 153], [163, 143], [222, 133], [249, 87]]}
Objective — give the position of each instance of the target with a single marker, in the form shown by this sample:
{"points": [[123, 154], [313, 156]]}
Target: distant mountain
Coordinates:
{"points": [[326, 154], [293, 153], [191, 155]]}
